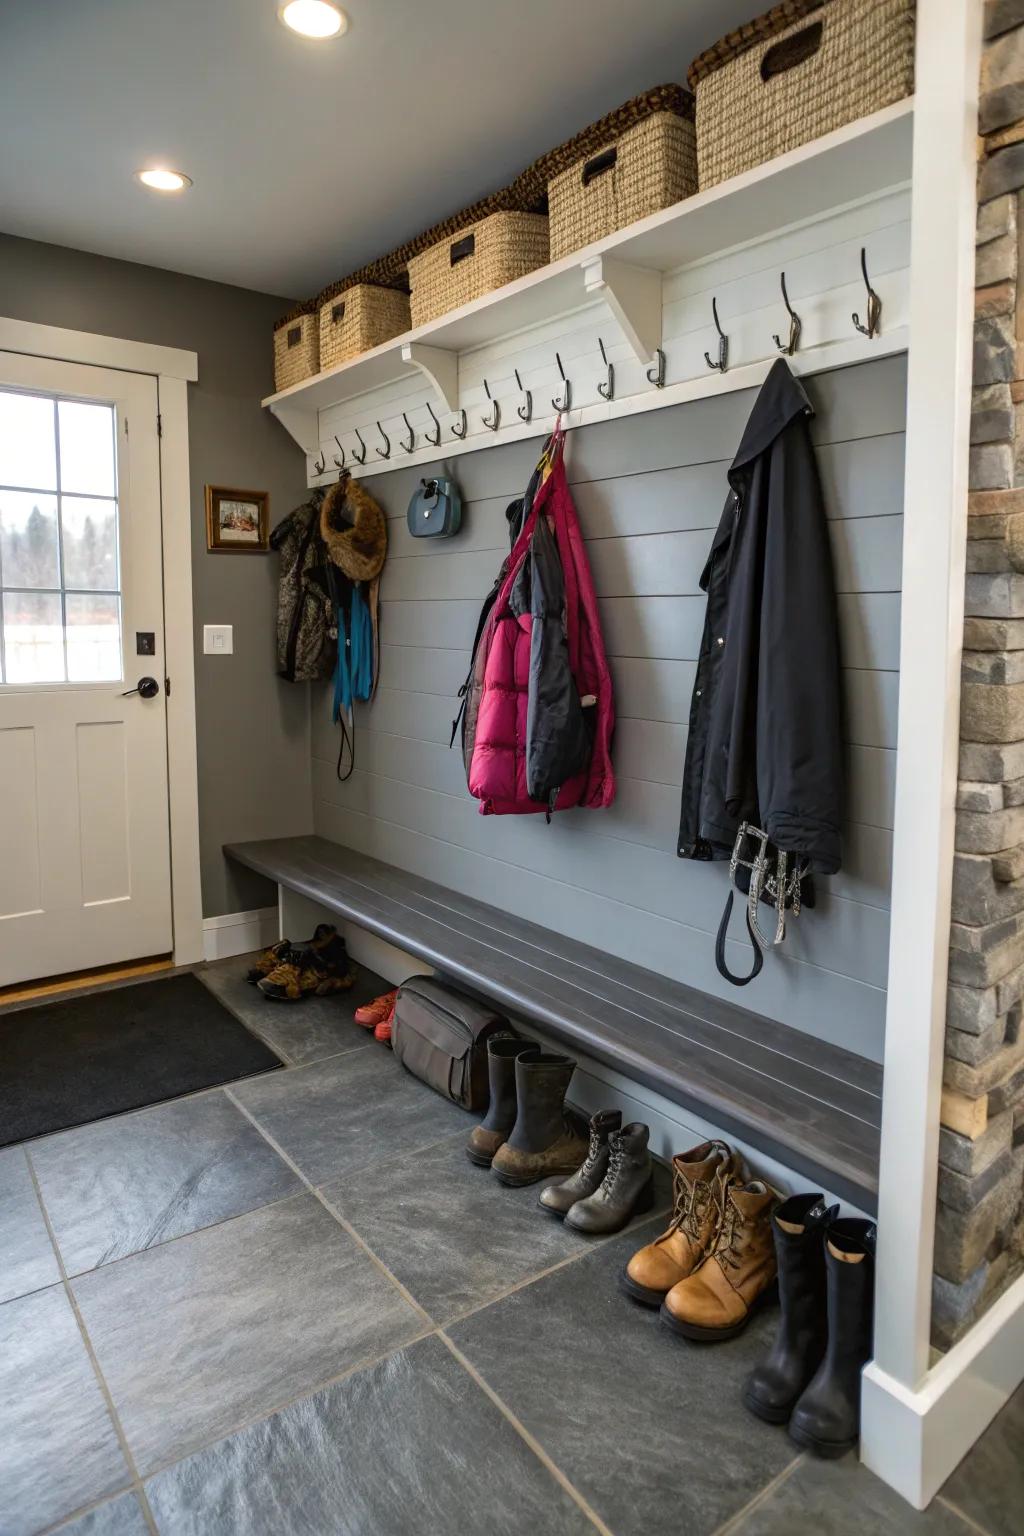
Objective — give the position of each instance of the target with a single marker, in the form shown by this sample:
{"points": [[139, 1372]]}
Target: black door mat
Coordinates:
{"points": [[84, 1058]]}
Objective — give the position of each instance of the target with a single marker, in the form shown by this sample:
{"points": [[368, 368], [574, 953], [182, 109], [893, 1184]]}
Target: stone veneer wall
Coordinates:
{"points": [[979, 1246]]}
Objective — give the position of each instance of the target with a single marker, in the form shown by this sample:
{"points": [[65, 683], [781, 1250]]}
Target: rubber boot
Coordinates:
{"points": [[496, 1126], [826, 1419], [774, 1386], [628, 1185], [545, 1139], [559, 1198]]}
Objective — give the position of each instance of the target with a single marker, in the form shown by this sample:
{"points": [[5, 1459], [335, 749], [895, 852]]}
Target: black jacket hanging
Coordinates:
{"points": [[765, 744]]}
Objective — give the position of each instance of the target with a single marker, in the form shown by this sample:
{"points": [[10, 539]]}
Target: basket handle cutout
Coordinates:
{"points": [[337, 313], [295, 335], [792, 51], [463, 248], [598, 165]]}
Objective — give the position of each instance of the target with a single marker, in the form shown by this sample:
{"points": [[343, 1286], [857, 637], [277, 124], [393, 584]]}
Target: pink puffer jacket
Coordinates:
{"points": [[498, 767]]}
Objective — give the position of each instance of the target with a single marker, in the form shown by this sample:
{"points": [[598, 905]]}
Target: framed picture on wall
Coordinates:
{"points": [[237, 522]]}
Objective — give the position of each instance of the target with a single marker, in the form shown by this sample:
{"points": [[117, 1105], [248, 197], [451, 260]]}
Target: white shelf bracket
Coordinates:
{"points": [[439, 367], [302, 424], [633, 294]]}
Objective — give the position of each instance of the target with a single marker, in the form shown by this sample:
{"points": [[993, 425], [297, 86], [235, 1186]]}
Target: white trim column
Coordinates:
{"points": [[934, 552]]}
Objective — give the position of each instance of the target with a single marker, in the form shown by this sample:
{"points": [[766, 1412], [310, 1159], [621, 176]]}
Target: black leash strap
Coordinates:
{"points": [[723, 929]]}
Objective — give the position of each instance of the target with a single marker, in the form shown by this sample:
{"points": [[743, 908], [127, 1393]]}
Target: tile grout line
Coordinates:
{"points": [[115, 1419], [335, 1215], [572, 1258], [954, 1509], [736, 1522], [530, 1440], [367, 1363]]}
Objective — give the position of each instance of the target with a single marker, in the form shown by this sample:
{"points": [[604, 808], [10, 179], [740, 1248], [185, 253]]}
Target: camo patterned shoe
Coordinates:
{"points": [[317, 969]]}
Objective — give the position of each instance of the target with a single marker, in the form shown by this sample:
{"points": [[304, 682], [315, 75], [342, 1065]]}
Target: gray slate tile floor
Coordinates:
{"points": [[293, 1306]]}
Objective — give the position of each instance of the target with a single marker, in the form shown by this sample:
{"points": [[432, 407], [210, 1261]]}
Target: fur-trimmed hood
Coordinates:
{"points": [[358, 550]]}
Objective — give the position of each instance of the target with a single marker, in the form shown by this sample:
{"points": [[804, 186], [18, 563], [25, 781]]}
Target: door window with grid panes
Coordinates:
{"points": [[60, 584]]}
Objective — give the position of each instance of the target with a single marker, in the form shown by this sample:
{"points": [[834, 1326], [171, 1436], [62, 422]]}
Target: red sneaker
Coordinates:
{"points": [[372, 1014], [382, 1031]]}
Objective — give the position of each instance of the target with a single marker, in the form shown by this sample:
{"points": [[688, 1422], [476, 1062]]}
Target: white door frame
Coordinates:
{"points": [[174, 370]]}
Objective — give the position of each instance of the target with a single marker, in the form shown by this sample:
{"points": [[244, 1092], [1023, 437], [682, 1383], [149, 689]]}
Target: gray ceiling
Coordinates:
{"points": [[308, 159]]}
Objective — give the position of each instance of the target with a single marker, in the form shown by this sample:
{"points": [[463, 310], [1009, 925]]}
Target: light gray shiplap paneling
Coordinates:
{"points": [[649, 491], [835, 1008]]}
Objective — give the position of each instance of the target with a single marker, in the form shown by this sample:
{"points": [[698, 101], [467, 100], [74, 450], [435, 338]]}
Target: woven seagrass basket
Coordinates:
{"points": [[354, 319], [475, 260], [801, 70], [635, 161], [296, 346]]}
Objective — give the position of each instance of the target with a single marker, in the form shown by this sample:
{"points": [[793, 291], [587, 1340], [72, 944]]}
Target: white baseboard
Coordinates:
{"points": [[913, 1440], [238, 933]]}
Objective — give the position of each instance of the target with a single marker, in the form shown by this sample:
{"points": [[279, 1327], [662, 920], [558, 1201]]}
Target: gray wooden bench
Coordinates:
{"points": [[814, 1107]]}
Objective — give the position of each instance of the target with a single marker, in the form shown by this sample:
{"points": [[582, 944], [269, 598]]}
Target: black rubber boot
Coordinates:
{"points": [[545, 1138], [826, 1419], [558, 1198], [773, 1388], [494, 1129], [628, 1185]]}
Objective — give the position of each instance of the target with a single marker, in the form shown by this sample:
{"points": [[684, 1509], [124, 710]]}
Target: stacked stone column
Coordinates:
{"points": [[979, 1246]]}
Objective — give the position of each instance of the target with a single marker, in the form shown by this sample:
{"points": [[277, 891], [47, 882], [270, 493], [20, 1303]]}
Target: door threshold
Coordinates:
{"points": [[54, 986]]}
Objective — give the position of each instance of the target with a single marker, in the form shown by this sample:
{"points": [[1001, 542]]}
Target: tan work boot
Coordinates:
{"points": [[717, 1300], [698, 1180]]}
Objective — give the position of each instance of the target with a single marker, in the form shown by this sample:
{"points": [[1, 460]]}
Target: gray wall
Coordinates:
{"points": [[649, 492], [253, 730]]}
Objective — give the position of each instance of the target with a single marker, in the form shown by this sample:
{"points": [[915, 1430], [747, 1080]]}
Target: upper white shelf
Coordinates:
{"points": [[855, 162]]}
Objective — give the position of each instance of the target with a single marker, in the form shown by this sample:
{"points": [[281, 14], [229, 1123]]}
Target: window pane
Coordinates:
{"points": [[29, 552], [87, 448], [27, 455], [94, 637], [89, 532], [33, 638]]}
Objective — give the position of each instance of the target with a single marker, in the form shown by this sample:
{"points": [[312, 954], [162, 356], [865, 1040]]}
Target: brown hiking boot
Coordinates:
{"points": [[698, 1179], [316, 969], [717, 1300]]}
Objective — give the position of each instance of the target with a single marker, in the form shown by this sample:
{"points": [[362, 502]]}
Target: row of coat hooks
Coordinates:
{"points": [[869, 327]]}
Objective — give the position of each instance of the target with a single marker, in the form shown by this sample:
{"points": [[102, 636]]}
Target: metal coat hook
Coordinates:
{"points": [[607, 389], [318, 469], [339, 463], [524, 411], [565, 403], [656, 372], [460, 431], [874, 304], [787, 350], [360, 458], [385, 452], [433, 438], [408, 446], [723, 344], [494, 419]]}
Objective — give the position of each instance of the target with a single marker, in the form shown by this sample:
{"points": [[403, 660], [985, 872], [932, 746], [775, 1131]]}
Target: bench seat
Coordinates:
{"points": [[812, 1106]]}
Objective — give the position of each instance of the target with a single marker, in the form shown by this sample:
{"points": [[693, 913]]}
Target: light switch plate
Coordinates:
{"points": [[218, 640]]}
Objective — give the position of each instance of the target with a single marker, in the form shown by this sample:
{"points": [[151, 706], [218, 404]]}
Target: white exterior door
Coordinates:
{"points": [[84, 841]]}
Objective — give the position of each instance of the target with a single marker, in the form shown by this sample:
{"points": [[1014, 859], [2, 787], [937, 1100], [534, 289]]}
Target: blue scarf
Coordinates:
{"points": [[353, 675]]}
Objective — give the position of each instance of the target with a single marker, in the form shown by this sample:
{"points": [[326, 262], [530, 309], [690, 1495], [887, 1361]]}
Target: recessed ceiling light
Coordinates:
{"points": [[164, 181], [314, 18]]}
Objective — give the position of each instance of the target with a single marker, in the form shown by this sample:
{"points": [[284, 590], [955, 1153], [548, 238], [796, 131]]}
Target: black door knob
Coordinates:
{"points": [[146, 687]]}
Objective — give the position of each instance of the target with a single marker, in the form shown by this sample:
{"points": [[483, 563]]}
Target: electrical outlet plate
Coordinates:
{"points": [[218, 640]]}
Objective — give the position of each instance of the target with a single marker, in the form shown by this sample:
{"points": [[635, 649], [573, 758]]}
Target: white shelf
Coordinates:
{"points": [[857, 161]]}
